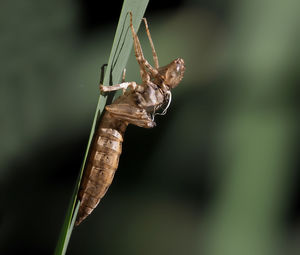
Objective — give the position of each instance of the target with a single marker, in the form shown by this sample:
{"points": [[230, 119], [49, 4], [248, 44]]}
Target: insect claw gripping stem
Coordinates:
{"points": [[138, 107], [102, 73], [102, 77]]}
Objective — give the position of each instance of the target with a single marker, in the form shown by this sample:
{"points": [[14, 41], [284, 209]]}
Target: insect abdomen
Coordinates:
{"points": [[100, 169]]}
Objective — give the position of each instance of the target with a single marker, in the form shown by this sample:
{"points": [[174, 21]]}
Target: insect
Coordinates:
{"points": [[138, 105]]}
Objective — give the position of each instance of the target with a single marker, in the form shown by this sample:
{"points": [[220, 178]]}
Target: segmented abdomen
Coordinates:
{"points": [[100, 169]]}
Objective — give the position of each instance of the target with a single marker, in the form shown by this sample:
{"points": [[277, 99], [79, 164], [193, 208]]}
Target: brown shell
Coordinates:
{"points": [[101, 165], [137, 106]]}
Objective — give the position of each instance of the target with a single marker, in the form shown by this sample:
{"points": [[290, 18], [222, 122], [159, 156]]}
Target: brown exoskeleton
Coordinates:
{"points": [[138, 105]]}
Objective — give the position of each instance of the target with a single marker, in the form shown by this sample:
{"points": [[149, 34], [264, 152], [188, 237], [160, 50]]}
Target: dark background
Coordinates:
{"points": [[218, 175]]}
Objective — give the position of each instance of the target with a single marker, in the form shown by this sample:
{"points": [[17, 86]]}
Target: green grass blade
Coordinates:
{"points": [[119, 55]]}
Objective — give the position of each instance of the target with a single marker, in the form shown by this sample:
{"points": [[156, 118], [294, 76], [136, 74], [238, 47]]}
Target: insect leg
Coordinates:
{"points": [[102, 73], [152, 45], [123, 79], [123, 75], [140, 56], [131, 114], [123, 85]]}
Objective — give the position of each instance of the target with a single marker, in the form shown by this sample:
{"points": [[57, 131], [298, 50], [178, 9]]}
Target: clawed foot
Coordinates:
{"points": [[103, 90]]}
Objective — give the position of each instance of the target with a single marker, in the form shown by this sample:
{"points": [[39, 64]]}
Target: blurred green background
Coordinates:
{"points": [[218, 175]]}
